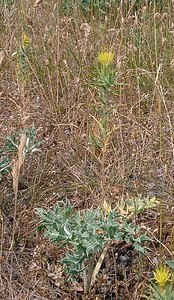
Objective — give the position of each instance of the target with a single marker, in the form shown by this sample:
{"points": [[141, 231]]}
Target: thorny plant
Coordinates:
{"points": [[91, 232], [162, 288], [86, 234], [11, 143], [103, 79], [135, 206], [23, 56], [10, 147]]}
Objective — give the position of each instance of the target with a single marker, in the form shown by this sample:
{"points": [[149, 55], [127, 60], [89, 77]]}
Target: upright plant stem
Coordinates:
{"points": [[88, 275], [103, 171]]}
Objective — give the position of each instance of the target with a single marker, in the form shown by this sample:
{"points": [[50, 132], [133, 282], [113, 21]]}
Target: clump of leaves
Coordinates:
{"points": [[10, 147], [170, 263], [157, 294], [83, 235], [137, 205]]}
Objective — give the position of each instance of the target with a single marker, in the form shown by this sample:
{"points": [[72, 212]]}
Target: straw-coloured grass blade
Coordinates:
{"points": [[1, 57], [18, 163], [37, 3]]}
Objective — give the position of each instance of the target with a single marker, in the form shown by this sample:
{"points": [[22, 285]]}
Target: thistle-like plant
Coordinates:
{"points": [[23, 56], [162, 289], [162, 275], [84, 234], [135, 206], [103, 78], [11, 144]]}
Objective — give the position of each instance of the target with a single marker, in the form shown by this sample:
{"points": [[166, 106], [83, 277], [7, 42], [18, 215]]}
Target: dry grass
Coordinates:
{"points": [[60, 101]]}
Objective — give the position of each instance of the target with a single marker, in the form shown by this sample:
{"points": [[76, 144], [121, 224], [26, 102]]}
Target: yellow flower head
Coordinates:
{"points": [[106, 208], [162, 276], [25, 41], [105, 58]]}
